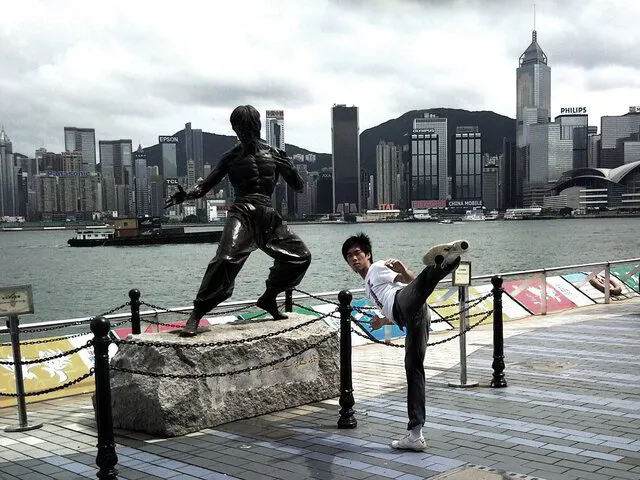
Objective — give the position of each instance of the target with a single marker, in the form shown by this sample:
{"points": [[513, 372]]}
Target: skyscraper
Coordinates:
{"points": [[274, 135], [8, 177], [618, 135], [274, 128], [432, 125], [533, 104], [387, 173], [345, 158], [467, 166], [116, 166], [82, 140], [194, 148], [142, 193]]}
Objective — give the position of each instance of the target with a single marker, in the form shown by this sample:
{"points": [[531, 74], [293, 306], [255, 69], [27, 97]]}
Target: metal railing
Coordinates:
{"points": [[334, 294]]}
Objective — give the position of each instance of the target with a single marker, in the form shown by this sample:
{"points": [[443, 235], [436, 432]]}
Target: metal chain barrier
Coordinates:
{"points": [[53, 389], [440, 342], [309, 309], [48, 340], [73, 324], [217, 313], [52, 357], [310, 295], [224, 374], [219, 344], [469, 305]]}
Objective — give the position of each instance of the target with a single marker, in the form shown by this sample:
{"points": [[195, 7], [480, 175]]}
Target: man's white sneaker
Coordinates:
{"points": [[406, 443], [446, 252]]}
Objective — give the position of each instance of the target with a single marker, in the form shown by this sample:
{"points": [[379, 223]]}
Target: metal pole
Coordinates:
{"points": [[347, 418], [462, 308], [107, 457], [134, 295], [498, 380], [543, 293], [607, 284], [288, 300], [12, 325]]}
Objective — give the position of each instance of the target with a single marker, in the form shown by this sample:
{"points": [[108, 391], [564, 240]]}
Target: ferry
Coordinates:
{"points": [[522, 213], [492, 215], [475, 215]]}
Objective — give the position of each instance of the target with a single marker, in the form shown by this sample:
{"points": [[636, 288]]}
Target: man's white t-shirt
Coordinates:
{"points": [[381, 288]]}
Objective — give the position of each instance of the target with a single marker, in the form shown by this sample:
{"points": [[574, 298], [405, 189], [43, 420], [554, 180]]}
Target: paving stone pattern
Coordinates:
{"points": [[571, 411]]}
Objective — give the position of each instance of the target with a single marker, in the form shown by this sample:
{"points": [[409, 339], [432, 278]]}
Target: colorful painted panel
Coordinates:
{"points": [[511, 309], [528, 292], [569, 291], [52, 373], [629, 274], [587, 283]]}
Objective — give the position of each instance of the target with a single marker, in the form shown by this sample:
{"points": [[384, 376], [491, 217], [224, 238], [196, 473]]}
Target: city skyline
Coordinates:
{"points": [[154, 78]]}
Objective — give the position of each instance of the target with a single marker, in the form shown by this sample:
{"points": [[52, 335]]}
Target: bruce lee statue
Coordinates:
{"points": [[253, 168]]}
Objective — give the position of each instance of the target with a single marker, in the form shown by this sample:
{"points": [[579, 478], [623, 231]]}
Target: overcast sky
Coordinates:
{"points": [[138, 69]]}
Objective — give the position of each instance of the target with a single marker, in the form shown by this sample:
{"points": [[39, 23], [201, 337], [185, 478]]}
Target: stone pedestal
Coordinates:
{"points": [[171, 407]]}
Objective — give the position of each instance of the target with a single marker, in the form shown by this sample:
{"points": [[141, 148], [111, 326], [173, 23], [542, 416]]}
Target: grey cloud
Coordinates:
{"points": [[220, 93]]}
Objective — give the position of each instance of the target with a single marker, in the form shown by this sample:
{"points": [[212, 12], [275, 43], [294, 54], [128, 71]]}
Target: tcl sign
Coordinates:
{"points": [[167, 139], [172, 181]]}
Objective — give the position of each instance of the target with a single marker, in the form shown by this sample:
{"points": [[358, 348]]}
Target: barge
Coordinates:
{"points": [[140, 231]]}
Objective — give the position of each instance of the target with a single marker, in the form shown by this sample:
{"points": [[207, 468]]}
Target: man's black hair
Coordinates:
{"points": [[361, 240], [245, 119]]}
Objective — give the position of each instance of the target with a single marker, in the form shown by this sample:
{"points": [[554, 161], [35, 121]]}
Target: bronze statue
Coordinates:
{"points": [[253, 168]]}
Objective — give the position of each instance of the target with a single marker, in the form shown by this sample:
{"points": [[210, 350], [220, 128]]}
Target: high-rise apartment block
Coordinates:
{"points": [[82, 140]]}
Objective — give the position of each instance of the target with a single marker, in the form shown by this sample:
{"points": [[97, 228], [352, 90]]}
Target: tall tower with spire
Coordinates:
{"points": [[8, 177], [533, 103]]}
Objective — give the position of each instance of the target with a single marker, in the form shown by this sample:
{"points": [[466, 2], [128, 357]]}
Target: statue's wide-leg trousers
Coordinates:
{"points": [[248, 228]]}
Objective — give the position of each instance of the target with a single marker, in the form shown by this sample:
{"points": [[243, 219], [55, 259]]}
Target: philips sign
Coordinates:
{"points": [[573, 110], [167, 139]]}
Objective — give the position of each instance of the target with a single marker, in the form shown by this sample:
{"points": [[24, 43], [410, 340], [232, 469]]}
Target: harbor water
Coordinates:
{"points": [[75, 282]]}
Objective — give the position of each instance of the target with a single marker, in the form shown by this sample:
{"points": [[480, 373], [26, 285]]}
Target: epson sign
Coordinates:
{"points": [[573, 110], [167, 139]]}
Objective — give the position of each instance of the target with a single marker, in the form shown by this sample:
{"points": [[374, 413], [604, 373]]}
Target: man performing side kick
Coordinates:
{"points": [[402, 296], [253, 168]]}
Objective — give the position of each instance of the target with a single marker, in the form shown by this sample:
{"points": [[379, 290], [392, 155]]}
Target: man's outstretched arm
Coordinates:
{"points": [[287, 169]]}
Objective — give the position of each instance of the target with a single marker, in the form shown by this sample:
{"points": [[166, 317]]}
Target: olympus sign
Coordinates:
{"points": [[167, 139], [574, 110]]}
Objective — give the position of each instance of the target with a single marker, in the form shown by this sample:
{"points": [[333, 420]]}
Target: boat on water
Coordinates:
{"points": [[140, 231], [475, 215], [445, 221], [492, 215]]}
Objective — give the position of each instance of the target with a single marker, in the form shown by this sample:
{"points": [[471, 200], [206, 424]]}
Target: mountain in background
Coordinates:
{"points": [[494, 128]]}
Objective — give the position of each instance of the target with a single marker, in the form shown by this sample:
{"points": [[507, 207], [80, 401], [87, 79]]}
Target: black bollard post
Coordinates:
{"points": [[347, 418], [134, 295], [107, 457], [288, 300], [498, 380]]}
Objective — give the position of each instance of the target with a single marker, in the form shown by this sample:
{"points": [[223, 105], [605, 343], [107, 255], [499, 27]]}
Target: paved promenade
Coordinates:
{"points": [[571, 411]]}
